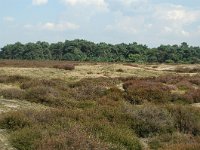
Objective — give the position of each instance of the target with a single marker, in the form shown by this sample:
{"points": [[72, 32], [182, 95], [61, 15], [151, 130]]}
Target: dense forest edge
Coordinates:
{"points": [[82, 50]]}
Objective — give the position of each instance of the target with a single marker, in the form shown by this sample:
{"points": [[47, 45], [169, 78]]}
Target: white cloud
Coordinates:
{"points": [[39, 2], [8, 19], [175, 31], [134, 2], [174, 20], [128, 24], [28, 26], [51, 26], [185, 33], [59, 26], [167, 29], [100, 4], [176, 14]]}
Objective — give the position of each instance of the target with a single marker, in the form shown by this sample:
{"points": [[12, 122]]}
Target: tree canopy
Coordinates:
{"points": [[82, 50]]}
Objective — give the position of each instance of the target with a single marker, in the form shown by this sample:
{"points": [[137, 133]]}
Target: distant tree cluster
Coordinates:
{"points": [[82, 50]]}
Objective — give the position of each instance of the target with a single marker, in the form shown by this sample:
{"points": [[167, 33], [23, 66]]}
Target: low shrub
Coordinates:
{"points": [[13, 79], [170, 141], [87, 92], [132, 65], [101, 82], [187, 69], [151, 120], [195, 80], [26, 138], [185, 85], [170, 79], [155, 67], [91, 89], [54, 83], [114, 94], [45, 95], [65, 66], [14, 121], [33, 63], [193, 96], [12, 93], [119, 70], [182, 146], [120, 138], [139, 91], [73, 139], [186, 119]]}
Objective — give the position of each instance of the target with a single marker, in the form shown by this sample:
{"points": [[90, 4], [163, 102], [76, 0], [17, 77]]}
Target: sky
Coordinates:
{"points": [[150, 22]]}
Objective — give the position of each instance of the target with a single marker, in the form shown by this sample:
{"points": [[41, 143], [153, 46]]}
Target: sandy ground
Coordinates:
{"points": [[4, 143], [83, 71], [89, 70], [196, 105]]}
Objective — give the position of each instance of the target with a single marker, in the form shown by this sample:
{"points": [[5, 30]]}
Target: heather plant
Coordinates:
{"points": [[139, 91], [65, 66], [12, 93], [186, 119], [151, 120]]}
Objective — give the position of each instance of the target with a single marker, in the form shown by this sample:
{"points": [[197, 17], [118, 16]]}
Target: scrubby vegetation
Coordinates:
{"points": [[132, 113]]}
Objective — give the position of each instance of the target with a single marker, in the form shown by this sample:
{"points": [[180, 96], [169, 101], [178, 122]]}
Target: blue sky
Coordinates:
{"points": [[151, 22]]}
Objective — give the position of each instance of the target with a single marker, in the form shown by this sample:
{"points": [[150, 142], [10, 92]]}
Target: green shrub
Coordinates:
{"points": [[114, 94], [54, 83], [187, 70], [65, 66], [195, 80], [186, 119], [120, 70], [173, 140], [45, 95], [26, 138], [101, 82], [73, 139], [121, 138], [87, 92], [192, 96], [184, 85], [13, 79], [139, 91], [14, 121], [12, 93], [182, 146], [151, 120]]}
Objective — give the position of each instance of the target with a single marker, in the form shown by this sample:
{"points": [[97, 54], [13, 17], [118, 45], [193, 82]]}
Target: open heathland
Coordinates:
{"points": [[52, 105]]}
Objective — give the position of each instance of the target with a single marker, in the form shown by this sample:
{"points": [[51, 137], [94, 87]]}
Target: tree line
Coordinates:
{"points": [[82, 50]]}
